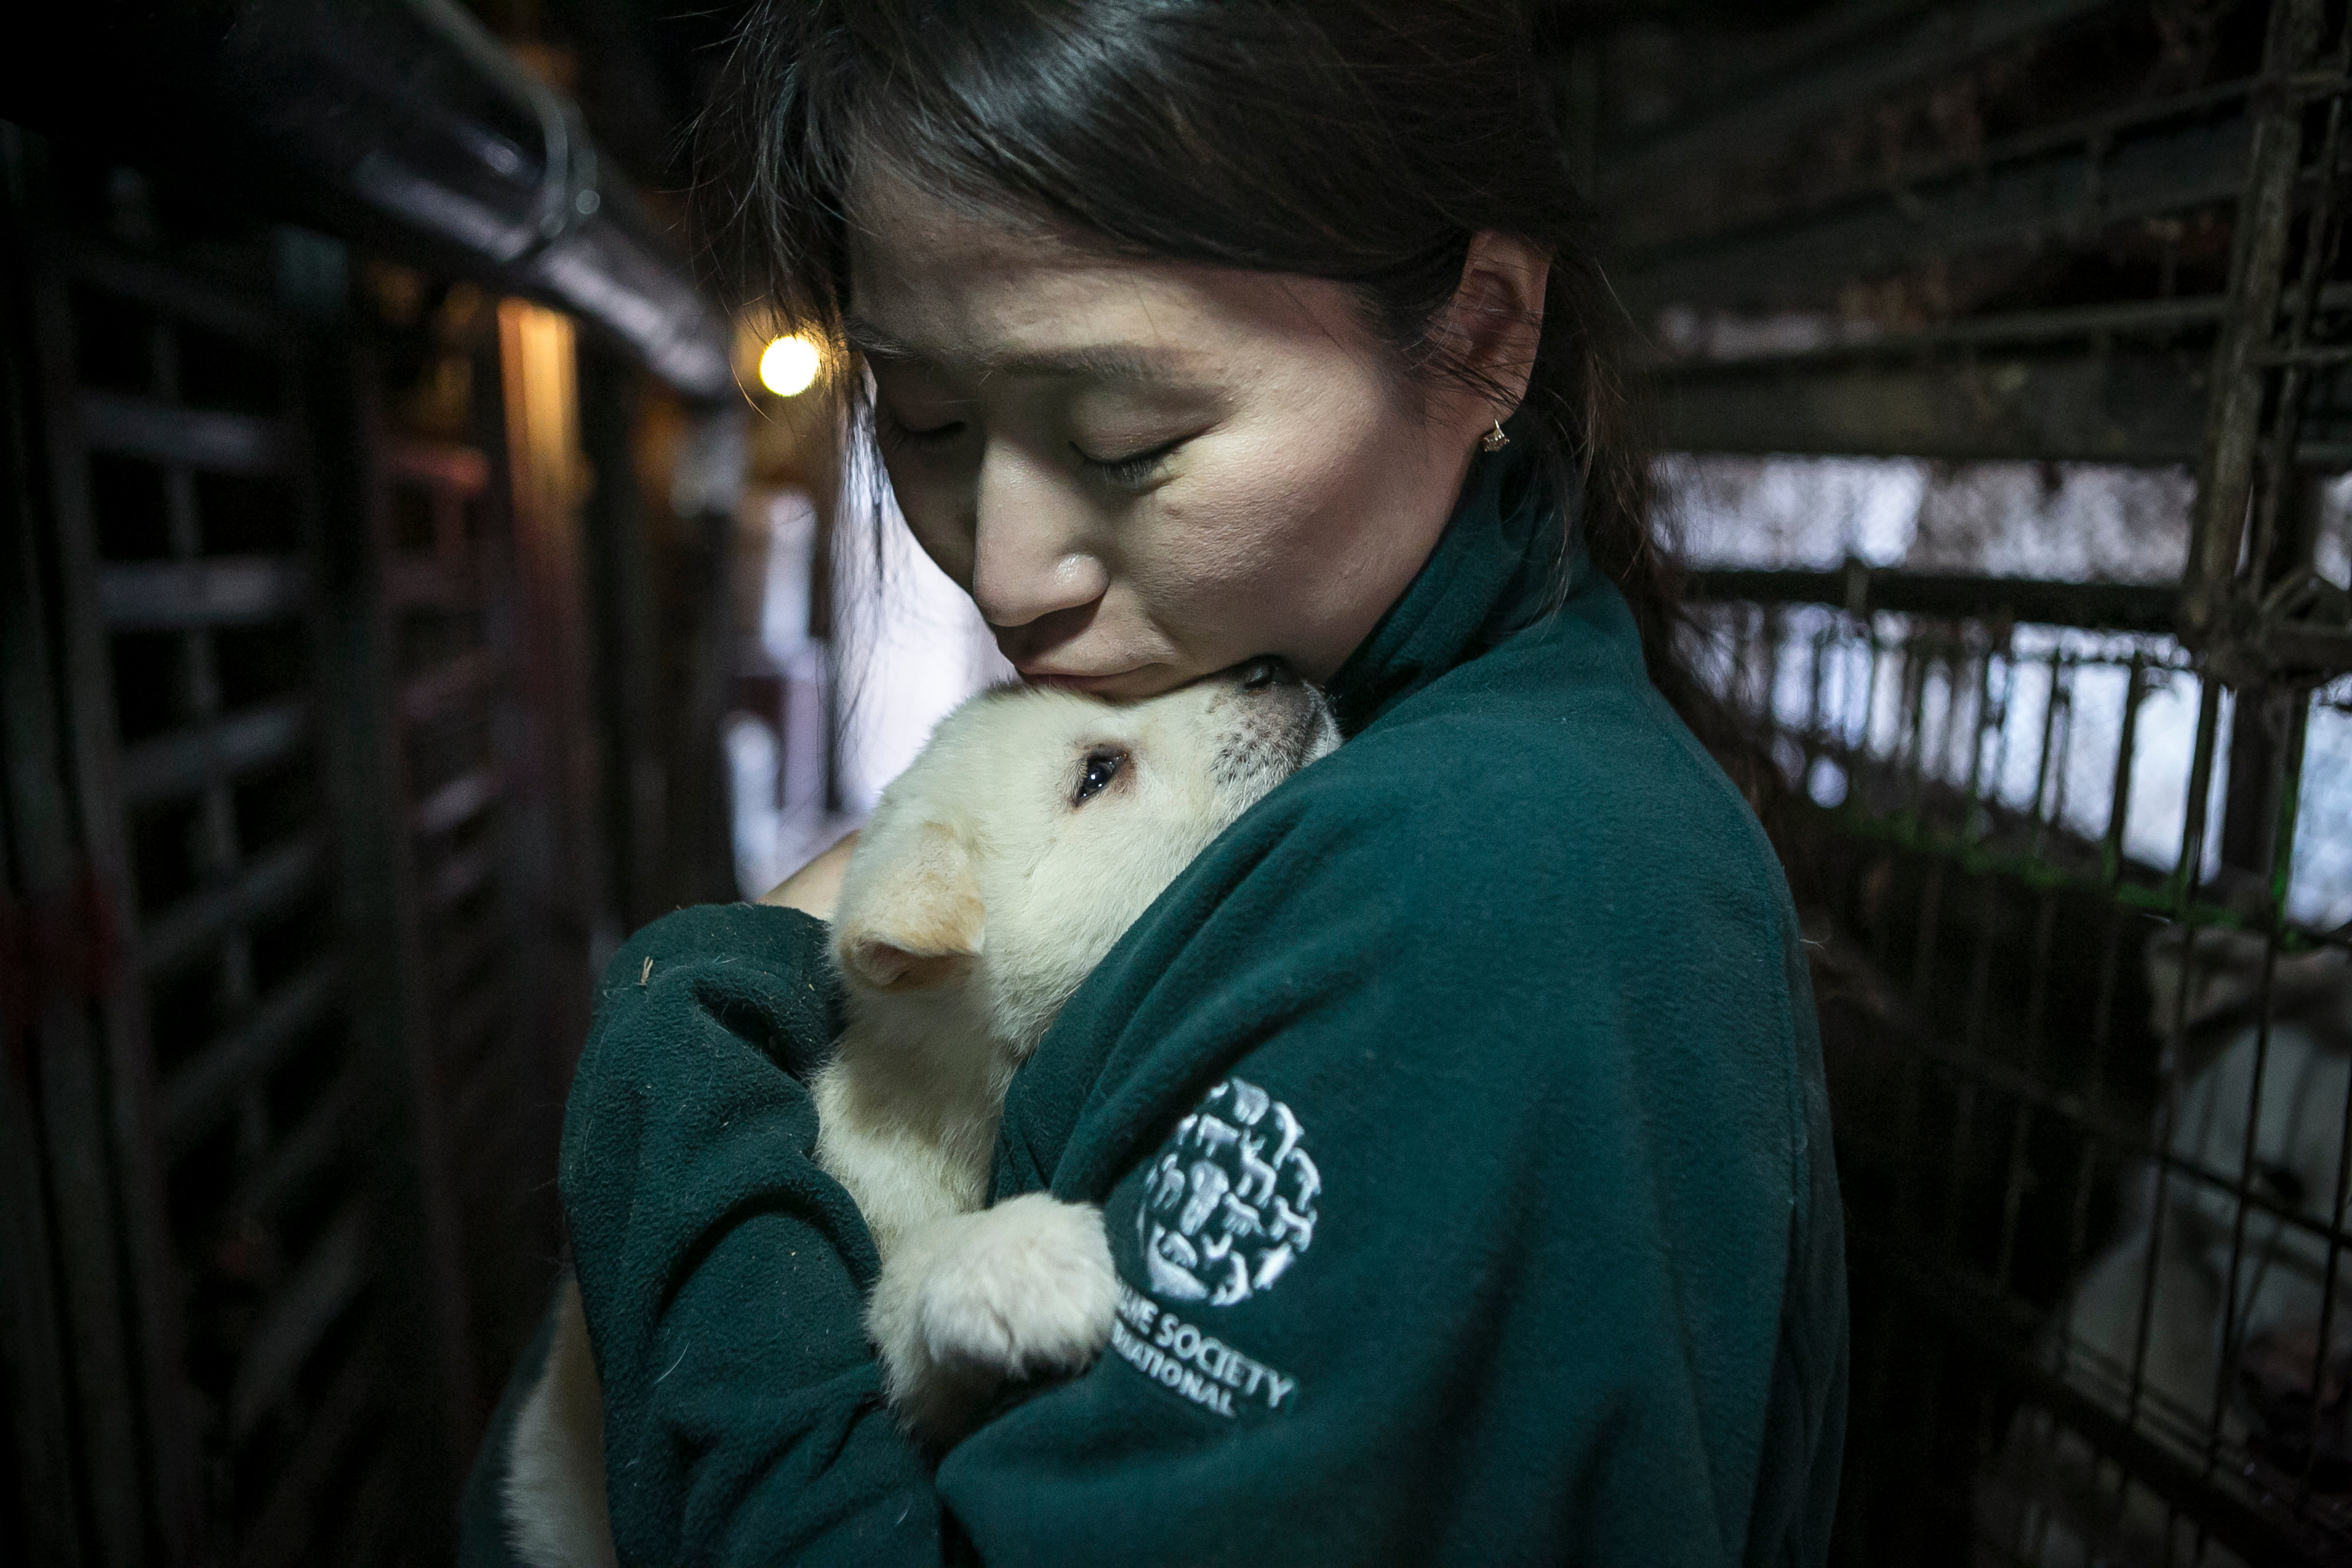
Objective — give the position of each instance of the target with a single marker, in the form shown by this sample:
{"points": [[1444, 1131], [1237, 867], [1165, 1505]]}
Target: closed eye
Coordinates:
{"points": [[1132, 471], [892, 431], [1100, 767]]}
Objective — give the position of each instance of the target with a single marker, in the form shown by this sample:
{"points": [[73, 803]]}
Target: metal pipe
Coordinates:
{"points": [[398, 124], [1862, 590], [2225, 469]]}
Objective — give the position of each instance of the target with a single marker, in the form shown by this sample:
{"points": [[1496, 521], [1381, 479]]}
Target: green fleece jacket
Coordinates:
{"points": [[1458, 1119]]}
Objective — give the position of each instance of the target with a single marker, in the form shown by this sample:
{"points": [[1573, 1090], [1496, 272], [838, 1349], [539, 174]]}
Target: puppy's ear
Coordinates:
{"points": [[919, 922], [2218, 966]]}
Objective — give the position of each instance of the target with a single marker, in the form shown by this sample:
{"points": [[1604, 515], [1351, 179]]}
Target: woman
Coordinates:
{"points": [[1200, 329]]}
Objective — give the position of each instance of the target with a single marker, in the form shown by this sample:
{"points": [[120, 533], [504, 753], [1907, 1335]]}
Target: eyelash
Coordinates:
{"points": [[1128, 473], [893, 432], [1120, 473]]}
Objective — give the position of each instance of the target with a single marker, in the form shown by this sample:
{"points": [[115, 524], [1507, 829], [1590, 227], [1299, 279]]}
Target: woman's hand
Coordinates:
{"points": [[815, 888]]}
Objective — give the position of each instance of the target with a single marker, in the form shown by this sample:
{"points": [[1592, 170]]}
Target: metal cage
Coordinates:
{"points": [[2069, 851], [306, 865]]}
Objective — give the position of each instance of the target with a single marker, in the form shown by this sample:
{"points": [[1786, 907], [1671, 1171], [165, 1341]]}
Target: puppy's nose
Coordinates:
{"points": [[1266, 671]]}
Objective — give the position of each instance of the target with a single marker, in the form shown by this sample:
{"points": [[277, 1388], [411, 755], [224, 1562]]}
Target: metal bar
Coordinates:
{"points": [[2330, 354], [1972, 1026], [459, 801], [2141, 888], [2057, 694], [2334, 1242], [219, 590], [184, 759], [1911, 759], [2045, 930], [2136, 407], [2231, 1327], [205, 1087], [141, 1436], [428, 693], [1794, 261], [2189, 870], [1933, 42], [177, 292], [2111, 844], [2158, 321], [325, 1131], [2093, 133], [265, 884], [283, 1530], [1861, 590], [164, 431], [2086, 1110], [47, 1281], [2265, 214], [322, 1286], [396, 1129], [404, 123], [2061, 774], [460, 876], [2005, 1329], [1866, 716]]}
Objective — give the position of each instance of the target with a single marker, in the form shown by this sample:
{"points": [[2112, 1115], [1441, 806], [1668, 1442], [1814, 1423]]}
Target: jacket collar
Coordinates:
{"points": [[1501, 563]]}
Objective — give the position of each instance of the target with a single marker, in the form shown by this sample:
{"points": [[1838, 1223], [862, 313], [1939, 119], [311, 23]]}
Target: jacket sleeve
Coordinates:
{"points": [[722, 1270], [1447, 1234], [1486, 1232]]}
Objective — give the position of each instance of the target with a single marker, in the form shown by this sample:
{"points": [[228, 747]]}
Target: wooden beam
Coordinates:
{"points": [[2145, 406]]}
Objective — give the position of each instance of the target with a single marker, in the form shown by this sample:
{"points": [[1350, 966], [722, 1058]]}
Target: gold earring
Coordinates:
{"points": [[1494, 440]]}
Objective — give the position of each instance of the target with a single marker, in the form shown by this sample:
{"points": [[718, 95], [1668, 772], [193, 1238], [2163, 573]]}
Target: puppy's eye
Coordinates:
{"points": [[1101, 768]]}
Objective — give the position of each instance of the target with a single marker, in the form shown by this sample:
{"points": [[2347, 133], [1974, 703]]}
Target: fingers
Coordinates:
{"points": [[815, 888]]}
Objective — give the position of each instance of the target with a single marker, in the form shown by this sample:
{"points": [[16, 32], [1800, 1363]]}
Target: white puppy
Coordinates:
{"points": [[993, 876], [2215, 1305]]}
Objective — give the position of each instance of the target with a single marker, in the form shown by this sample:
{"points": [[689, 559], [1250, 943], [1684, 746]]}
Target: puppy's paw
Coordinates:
{"points": [[1020, 1291], [1024, 1289]]}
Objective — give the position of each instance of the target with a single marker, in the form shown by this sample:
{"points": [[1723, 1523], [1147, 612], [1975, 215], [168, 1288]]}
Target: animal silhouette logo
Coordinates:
{"points": [[1229, 1203]]}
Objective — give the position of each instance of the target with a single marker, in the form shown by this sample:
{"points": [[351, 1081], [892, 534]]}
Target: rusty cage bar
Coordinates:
{"points": [[2067, 845]]}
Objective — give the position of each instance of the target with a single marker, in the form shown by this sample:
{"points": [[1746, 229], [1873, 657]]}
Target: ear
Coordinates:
{"points": [[1495, 321], [918, 923], [2220, 968]]}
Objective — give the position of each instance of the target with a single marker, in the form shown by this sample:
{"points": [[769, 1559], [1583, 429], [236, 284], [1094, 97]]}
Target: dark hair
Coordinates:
{"points": [[1364, 141]]}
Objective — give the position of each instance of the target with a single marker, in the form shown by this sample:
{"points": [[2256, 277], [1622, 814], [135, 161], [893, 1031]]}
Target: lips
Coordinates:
{"points": [[1140, 681]]}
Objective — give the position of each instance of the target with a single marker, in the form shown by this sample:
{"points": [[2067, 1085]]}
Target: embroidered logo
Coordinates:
{"points": [[1199, 1366], [1229, 1202]]}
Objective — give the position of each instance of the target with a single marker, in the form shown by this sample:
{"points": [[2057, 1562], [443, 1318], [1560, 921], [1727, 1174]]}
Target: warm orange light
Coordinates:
{"points": [[788, 366]]}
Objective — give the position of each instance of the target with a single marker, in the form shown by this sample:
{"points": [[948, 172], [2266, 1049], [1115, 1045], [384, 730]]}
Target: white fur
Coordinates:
{"points": [[980, 893], [555, 1470], [2052, 1488], [1023, 1289]]}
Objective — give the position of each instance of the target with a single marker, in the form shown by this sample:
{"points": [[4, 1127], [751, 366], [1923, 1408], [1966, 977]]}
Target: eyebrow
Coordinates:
{"points": [[1108, 361]]}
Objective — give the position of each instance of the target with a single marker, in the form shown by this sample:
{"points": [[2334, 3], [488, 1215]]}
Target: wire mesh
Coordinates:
{"points": [[2091, 1083]]}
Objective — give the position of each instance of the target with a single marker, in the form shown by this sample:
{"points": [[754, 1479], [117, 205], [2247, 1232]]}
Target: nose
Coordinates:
{"points": [[1029, 555], [1265, 671]]}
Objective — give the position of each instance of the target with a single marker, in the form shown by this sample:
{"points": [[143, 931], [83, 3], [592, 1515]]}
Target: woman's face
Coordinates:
{"points": [[1143, 472]]}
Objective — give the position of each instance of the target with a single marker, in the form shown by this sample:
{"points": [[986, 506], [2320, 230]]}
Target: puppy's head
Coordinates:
{"points": [[1038, 823], [2206, 987], [2259, 1064]]}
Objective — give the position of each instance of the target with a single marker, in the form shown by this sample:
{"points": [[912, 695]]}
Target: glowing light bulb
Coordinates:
{"points": [[788, 366]]}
